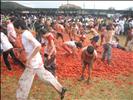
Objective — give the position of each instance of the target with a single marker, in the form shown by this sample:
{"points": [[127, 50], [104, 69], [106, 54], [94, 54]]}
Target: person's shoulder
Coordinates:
{"points": [[27, 33], [50, 36], [2, 35], [95, 52], [85, 48]]}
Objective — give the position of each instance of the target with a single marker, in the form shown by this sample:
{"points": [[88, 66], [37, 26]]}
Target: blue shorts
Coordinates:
{"points": [[95, 38]]}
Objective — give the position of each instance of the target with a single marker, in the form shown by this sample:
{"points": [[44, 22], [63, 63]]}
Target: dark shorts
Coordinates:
{"points": [[84, 64], [95, 38], [50, 64], [107, 46]]}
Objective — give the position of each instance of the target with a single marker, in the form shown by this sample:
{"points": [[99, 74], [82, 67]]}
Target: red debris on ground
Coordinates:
{"points": [[70, 67]]}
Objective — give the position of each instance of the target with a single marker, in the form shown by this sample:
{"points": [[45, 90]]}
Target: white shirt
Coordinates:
{"points": [[29, 43], [5, 44], [71, 44], [114, 43]]}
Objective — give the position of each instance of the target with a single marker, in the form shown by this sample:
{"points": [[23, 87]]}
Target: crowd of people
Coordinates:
{"points": [[41, 31]]}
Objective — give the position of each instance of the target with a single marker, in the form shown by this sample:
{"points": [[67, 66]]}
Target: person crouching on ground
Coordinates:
{"points": [[88, 57]]}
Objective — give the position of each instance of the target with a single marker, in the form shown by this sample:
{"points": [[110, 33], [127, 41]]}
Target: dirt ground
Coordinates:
{"points": [[113, 82]]}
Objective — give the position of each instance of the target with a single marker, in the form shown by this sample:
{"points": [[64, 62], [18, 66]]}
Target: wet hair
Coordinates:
{"points": [[90, 49], [52, 24], [12, 19], [104, 25], [109, 27], [79, 44], [96, 24], [18, 23], [43, 31]]}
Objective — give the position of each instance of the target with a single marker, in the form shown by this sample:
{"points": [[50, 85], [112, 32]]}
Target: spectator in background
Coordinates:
{"points": [[129, 35], [129, 40]]}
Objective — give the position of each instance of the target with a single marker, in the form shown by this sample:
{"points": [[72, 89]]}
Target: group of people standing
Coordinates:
{"points": [[47, 32]]}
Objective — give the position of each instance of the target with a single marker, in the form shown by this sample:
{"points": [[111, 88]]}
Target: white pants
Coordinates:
{"points": [[26, 80]]}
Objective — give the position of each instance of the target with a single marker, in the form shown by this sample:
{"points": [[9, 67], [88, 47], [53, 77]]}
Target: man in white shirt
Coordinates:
{"points": [[34, 64], [8, 49]]}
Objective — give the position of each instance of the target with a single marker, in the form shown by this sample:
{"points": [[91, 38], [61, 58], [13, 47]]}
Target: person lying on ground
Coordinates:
{"points": [[115, 43], [70, 47]]}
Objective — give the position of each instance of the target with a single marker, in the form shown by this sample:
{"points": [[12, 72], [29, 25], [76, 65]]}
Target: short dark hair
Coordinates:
{"points": [[109, 27], [90, 49], [12, 19], [79, 44], [44, 31], [19, 23]]}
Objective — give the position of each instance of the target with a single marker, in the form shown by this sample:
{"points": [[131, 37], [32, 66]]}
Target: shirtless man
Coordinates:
{"points": [[88, 57], [74, 31], [60, 30], [50, 51], [107, 45], [95, 34]]}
